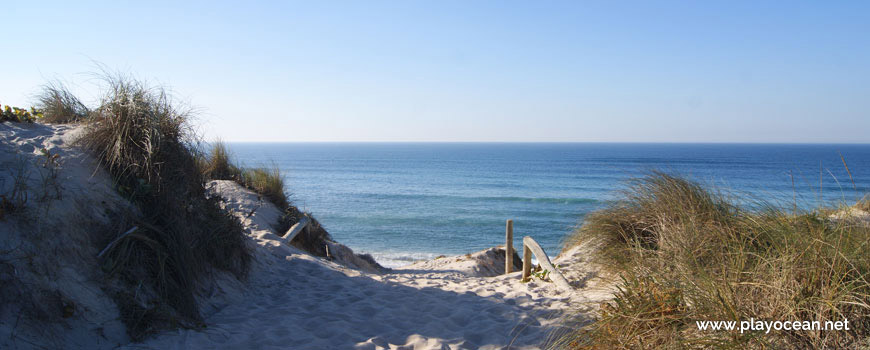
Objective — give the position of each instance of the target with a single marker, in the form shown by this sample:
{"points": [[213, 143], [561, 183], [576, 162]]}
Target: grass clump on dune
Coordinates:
{"points": [[146, 143], [269, 183], [59, 105], [218, 165], [688, 254]]}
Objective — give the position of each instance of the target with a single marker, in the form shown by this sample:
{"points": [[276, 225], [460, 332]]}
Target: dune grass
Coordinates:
{"points": [[145, 142], [218, 164], [268, 182], [59, 105], [686, 253]]}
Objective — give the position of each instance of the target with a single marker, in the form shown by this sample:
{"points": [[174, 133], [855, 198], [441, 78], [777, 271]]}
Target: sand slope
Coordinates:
{"points": [[296, 301], [50, 281]]}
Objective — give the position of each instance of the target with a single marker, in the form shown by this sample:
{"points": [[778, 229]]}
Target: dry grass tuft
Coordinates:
{"points": [[688, 254], [266, 181], [219, 164], [59, 105], [15, 198], [146, 143]]}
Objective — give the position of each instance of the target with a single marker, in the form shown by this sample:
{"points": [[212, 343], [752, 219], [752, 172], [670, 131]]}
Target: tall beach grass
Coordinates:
{"points": [[146, 143], [687, 253]]}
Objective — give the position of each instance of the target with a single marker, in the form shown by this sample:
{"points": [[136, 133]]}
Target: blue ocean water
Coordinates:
{"points": [[407, 201]]}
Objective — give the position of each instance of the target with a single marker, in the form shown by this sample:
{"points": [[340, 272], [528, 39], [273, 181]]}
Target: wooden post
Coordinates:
{"points": [[509, 247], [527, 263]]}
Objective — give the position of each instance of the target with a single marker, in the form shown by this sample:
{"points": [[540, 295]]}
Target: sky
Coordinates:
{"points": [[470, 71]]}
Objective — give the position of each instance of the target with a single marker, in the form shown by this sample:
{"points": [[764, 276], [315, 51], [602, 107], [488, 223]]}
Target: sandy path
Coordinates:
{"points": [[303, 302], [293, 300]]}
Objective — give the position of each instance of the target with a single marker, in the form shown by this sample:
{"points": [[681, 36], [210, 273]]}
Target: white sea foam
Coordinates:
{"points": [[394, 259]]}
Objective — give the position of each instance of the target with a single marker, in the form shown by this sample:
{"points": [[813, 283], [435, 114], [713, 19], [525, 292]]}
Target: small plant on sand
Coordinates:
{"points": [[15, 199], [542, 273], [50, 186], [689, 254]]}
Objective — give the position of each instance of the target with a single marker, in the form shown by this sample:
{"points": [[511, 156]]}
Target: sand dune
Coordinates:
{"points": [[292, 300]]}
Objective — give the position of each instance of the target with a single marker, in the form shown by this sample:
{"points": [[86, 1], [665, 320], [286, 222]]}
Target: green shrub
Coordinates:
{"points": [[688, 254], [19, 115]]}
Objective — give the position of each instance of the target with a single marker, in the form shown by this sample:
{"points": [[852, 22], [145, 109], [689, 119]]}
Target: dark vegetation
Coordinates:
{"points": [[686, 253], [15, 199], [146, 144]]}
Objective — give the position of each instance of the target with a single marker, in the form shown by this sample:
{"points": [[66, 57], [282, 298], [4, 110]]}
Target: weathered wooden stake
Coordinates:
{"points": [[527, 263], [509, 247]]}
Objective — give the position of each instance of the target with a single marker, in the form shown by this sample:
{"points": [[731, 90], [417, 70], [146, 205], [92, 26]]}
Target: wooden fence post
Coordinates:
{"points": [[527, 263], [509, 247]]}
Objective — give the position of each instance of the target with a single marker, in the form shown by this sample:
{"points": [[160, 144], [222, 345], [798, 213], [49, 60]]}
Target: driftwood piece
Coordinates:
{"points": [[296, 229], [116, 240], [555, 275]]}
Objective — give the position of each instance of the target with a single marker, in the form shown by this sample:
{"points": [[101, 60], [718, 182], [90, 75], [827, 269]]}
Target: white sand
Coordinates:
{"points": [[850, 216], [296, 301]]}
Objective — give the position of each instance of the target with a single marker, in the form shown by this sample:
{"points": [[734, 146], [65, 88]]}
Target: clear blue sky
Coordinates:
{"points": [[694, 71]]}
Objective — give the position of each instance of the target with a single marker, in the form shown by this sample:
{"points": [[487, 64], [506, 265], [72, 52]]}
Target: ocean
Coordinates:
{"points": [[403, 202]]}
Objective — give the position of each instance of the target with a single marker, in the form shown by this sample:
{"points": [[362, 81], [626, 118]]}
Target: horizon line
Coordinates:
{"points": [[563, 142]]}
